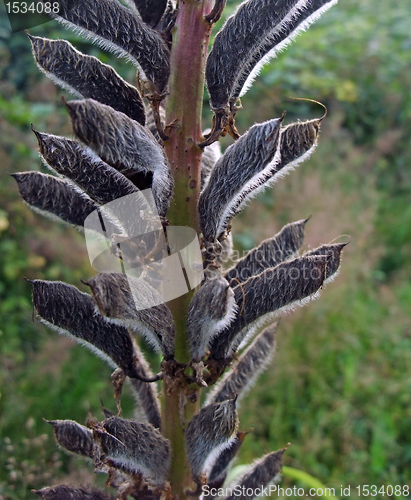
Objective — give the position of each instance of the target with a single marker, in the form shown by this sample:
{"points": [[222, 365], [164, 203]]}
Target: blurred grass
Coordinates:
{"points": [[339, 386]]}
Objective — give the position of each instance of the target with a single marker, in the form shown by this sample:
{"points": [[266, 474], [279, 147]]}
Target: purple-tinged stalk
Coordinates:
{"points": [[183, 127]]}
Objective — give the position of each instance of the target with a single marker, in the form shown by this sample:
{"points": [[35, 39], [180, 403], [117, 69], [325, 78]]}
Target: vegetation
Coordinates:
{"points": [[338, 389]]}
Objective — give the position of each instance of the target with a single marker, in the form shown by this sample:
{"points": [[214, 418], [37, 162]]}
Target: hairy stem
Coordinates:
{"points": [[183, 119]]}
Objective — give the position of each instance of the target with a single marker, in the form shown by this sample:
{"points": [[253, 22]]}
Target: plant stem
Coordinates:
{"points": [[183, 117]]}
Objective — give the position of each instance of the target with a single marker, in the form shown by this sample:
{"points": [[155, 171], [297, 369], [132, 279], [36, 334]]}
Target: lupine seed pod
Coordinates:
{"points": [[298, 140], [124, 144], [290, 283], [115, 28], [271, 252], [209, 433], [245, 30], [145, 394], [224, 462], [86, 76], [211, 155], [134, 447], [73, 313], [263, 472], [258, 30], [55, 198], [117, 295], [226, 250], [241, 377], [63, 492], [167, 22], [151, 11], [151, 123], [333, 252], [300, 17], [73, 436], [241, 171], [210, 311], [100, 181]]}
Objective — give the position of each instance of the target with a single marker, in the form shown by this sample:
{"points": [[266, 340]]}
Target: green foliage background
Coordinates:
{"points": [[339, 388]]}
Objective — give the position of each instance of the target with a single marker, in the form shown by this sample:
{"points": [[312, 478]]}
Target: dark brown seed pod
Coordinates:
{"points": [[244, 168], [73, 436], [134, 447], [100, 181], [210, 311], [298, 140], [146, 395], [262, 473], [234, 44], [288, 284], [271, 252], [63, 492], [116, 296], [253, 34], [124, 144], [225, 252], [209, 432], [333, 251], [151, 11], [241, 377], [151, 122], [86, 76], [73, 313], [224, 462], [55, 198], [300, 17], [115, 28]]}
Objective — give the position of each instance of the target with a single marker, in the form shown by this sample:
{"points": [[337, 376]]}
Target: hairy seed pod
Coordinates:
{"points": [[151, 11], [262, 473], [299, 18], [86, 76], [256, 32], [151, 123], [167, 22], [134, 447], [333, 252], [124, 144], [211, 155], [54, 198], [271, 252], [146, 396], [71, 312], [241, 171], [73, 436], [115, 28], [298, 140], [116, 296], [209, 433], [290, 283], [226, 250], [235, 42], [241, 377], [224, 462], [66, 157], [210, 311], [63, 492]]}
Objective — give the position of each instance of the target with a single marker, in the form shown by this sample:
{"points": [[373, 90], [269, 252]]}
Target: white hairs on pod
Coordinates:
{"points": [[210, 311]]}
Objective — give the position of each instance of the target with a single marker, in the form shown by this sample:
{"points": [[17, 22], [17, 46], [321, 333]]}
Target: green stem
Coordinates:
{"points": [[183, 118]]}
